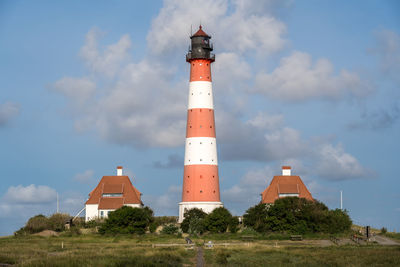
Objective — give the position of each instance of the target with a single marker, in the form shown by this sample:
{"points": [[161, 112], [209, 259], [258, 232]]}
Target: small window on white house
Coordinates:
{"points": [[101, 214]]}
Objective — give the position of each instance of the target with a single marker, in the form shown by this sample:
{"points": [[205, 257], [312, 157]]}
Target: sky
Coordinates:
{"points": [[86, 86]]}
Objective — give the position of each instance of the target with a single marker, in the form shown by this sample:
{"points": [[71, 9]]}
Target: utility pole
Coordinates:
{"points": [[341, 199], [58, 204]]}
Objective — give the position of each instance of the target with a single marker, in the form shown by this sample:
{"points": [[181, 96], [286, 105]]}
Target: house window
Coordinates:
{"points": [[112, 195], [101, 214]]}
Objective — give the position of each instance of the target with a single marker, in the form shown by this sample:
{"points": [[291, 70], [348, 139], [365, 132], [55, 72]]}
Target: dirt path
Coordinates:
{"points": [[382, 240], [200, 257]]}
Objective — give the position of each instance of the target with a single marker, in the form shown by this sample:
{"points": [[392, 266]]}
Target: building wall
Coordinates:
{"points": [[91, 212]]}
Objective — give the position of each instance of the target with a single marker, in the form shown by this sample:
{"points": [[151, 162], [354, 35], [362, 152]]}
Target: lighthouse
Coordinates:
{"points": [[200, 176]]}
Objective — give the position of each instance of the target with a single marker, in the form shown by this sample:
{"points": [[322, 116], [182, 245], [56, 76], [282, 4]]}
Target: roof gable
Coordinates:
{"points": [[115, 185], [285, 185]]}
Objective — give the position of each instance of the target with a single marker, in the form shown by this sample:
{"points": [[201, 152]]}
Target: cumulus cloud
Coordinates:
{"points": [[86, 177], [335, 164], [237, 31], [298, 78], [30, 194], [165, 204], [106, 62], [8, 111], [77, 89], [173, 161]]}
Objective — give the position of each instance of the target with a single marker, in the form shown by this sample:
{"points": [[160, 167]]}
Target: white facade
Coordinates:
{"points": [[207, 207], [93, 212]]}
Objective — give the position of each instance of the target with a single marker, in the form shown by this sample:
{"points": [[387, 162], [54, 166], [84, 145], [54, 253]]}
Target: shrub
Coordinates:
{"points": [[153, 227], [170, 229], [127, 220], [57, 221], [297, 215], [218, 220], [193, 221], [37, 224], [256, 217], [233, 224], [383, 230]]}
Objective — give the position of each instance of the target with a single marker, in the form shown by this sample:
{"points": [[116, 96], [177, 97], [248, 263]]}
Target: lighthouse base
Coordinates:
{"points": [[207, 207]]}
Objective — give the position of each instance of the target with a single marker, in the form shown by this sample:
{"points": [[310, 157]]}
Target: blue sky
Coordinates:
{"points": [[87, 86]]}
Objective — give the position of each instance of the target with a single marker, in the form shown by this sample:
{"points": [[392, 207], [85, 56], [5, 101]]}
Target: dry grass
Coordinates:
{"points": [[304, 256], [89, 251]]}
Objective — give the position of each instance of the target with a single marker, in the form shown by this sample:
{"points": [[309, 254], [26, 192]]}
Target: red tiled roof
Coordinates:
{"points": [[288, 188], [285, 185], [111, 203], [286, 168], [200, 32], [115, 184], [113, 188]]}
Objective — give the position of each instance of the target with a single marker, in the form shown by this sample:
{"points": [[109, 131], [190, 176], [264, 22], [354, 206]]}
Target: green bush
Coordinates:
{"points": [[170, 229], [256, 217], [153, 227], [298, 216], [193, 222], [218, 220], [127, 220], [37, 224], [383, 230], [233, 224]]}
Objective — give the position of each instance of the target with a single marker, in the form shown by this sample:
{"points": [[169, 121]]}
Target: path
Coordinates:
{"points": [[200, 257], [382, 240]]}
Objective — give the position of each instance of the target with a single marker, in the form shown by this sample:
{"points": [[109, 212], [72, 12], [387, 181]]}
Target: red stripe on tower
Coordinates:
{"points": [[200, 176]]}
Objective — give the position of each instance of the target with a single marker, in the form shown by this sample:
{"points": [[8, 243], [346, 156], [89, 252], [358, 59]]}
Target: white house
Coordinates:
{"points": [[111, 193]]}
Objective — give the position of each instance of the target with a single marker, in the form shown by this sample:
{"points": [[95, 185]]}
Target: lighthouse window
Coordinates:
{"points": [[201, 159], [201, 143], [214, 191], [208, 77], [193, 64], [201, 191], [201, 77], [213, 176], [190, 126], [207, 64], [201, 176], [188, 176], [187, 191], [210, 126], [208, 93], [201, 126]]}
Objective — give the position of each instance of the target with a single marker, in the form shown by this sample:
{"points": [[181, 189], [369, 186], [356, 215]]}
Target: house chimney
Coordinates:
{"points": [[286, 171], [119, 171]]}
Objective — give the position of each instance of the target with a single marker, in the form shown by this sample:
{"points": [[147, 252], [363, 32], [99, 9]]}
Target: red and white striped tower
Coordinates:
{"points": [[200, 177]]}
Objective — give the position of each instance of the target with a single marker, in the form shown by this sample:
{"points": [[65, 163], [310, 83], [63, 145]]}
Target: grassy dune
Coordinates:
{"points": [[304, 256]]}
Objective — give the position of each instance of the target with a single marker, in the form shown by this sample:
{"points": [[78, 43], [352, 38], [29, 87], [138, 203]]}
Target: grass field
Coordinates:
{"points": [[95, 250], [304, 256]]}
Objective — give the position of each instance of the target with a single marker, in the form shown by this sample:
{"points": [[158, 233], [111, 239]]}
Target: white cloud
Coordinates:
{"points": [[8, 111], [77, 89], [30, 194], [297, 78], [247, 192], [236, 31], [165, 204], [107, 62], [335, 164], [86, 177]]}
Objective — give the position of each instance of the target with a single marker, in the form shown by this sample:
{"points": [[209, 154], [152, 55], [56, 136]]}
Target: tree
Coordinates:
{"points": [[255, 217], [233, 224], [127, 220], [193, 221], [218, 220]]}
